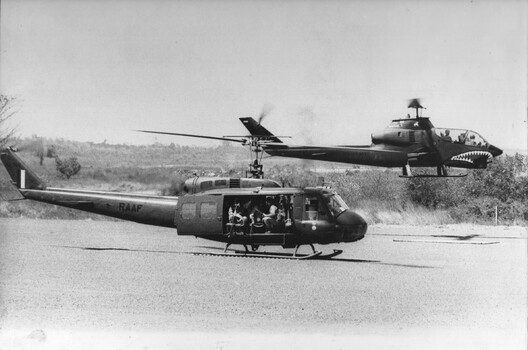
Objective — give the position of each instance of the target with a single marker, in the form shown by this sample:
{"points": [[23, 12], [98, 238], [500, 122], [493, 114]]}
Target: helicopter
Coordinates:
{"points": [[308, 216], [404, 143]]}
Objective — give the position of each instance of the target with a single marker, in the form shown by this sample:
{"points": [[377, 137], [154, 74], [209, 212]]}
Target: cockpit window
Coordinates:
{"points": [[474, 139], [462, 136], [336, 204], [450, 135]]}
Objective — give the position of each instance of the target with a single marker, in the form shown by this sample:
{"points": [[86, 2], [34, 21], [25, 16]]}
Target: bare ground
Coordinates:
{"points": [[95, 284]]}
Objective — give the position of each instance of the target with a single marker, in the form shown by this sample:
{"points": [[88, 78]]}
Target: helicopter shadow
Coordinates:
{"points": [[344, 260], [121, 249], [332, 259]]}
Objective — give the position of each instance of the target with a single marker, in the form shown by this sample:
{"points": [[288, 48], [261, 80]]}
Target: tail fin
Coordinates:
{"points": [[258, 130], [21, 175]]}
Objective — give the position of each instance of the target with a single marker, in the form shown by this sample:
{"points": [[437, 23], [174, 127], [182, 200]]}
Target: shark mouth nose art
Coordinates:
{"points": [[470, 157]]}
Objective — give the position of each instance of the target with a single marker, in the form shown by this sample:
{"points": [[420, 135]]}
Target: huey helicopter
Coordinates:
{"points": [[226, 210], [405, 143]]}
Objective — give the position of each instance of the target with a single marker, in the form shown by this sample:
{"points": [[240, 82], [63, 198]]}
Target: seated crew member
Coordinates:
{"points": [[256, 217], [270, 219], [447, 137], [235, 214], [471, 141], [254, 213], [283, 215]]}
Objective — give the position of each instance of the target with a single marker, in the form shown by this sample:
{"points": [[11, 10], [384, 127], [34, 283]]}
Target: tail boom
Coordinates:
{"points": [[153, 210]]}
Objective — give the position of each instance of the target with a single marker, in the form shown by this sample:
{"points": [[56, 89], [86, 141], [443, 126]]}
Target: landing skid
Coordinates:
{"points": [[336, 252], [263, 255], [438, 176], [244, 254], [441, 171]]}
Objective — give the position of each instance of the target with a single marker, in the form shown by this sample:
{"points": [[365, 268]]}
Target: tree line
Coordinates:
{"points": [[501, 189]]}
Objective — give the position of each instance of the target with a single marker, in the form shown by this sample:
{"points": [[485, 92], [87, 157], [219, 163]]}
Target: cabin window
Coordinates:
{"points": [[206, 184], [208, 210], [188, 211], [220, 183]]}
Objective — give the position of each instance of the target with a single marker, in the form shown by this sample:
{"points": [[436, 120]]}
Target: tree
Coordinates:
{"points": [[67, 167], [7, 110], [52, 152]]}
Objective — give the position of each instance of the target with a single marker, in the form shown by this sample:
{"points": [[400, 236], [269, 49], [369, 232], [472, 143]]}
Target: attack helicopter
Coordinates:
{"points": [[405, 143], [305, 216]]}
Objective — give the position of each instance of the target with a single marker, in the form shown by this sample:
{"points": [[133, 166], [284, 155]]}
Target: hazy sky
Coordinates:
{"points": [[335, 71]]}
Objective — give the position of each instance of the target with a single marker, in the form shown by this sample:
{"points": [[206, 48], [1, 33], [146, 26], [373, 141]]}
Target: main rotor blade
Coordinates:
{"points": [[255, 136], [414, 103], [191, 135]]}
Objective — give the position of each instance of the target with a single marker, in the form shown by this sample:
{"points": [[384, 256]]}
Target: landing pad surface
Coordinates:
{"points": [[98, 284]]}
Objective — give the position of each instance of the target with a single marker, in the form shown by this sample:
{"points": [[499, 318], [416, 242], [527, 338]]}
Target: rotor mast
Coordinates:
{"points": [[255, 150], [415, 103]]}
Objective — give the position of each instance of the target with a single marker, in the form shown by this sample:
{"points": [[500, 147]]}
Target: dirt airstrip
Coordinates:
{"points": [[117, 285]]}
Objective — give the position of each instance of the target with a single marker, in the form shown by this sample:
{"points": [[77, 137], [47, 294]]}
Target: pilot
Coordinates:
{"points": [[270, 219], [235, 214], [471, 141], [447, 137]]}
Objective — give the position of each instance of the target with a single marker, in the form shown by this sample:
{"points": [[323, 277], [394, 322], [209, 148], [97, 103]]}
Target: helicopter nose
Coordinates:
{"points": [[495, 151], [354, 226]]}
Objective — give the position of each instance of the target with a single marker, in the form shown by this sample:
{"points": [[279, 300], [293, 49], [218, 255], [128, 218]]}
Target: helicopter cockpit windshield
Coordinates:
{"points": [[462, 136], [335, 203]]}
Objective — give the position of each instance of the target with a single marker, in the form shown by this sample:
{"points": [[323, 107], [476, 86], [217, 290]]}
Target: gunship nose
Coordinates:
{"points": [[495, 151], [354, 226]]}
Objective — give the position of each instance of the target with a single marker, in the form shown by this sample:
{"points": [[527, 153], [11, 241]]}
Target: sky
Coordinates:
{"points": [[333, 71]]}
